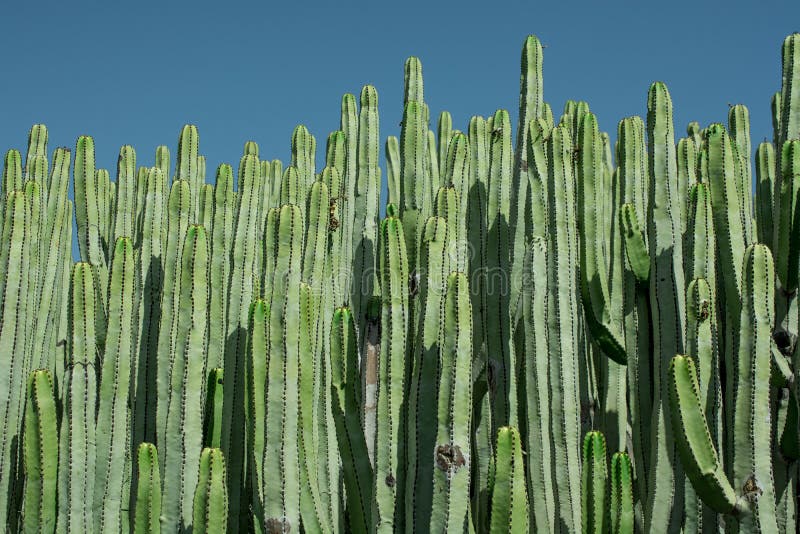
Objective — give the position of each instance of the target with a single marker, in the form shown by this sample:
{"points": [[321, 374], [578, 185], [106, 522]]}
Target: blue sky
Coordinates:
{"points": [[135, 73]]}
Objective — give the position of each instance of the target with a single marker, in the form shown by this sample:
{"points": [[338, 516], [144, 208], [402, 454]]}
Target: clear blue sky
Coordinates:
{"points": [[135, 72]]}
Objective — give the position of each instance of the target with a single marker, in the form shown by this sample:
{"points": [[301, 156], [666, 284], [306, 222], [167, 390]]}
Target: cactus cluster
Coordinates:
{"points": [[553, 334]]}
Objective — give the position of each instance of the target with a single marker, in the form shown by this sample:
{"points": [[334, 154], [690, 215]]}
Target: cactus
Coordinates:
{"points": [[535, 386], [451, 475], [345, 384], [563, 326], [422, 427], [751, 497], [12, 344], [280, 491], [147, 516], [183, 422], [77, 456], [427, 373], [41, 455], [509, 497], [113, 421], [667, 303], [391, 374], [210, 512], [621, 508], [594, 511], [241, 292]]}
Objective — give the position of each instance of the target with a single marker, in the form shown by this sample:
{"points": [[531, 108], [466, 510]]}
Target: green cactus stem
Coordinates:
{"points": [[509, 497], [113, 421], [211, 498], [593, 488], [451, 474], [184, 418], [147, 516], [77, 453], [622, 514], [345, 383], [41, 455]]}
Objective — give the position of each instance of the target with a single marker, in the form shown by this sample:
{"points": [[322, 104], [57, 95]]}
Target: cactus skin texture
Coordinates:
{"points": [[509, 497], [41, 455], [147, 516], [211, 497]]}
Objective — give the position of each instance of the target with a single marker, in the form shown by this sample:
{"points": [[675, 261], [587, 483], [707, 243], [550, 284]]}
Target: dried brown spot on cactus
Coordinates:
{"points": [[275, 525], [390, 481], [751, 489], [449, 457], [705, 310]]}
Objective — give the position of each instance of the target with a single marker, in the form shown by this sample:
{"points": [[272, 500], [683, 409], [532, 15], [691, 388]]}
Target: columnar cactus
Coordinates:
{"points": [[594, 504], [391, 374], [211, 498], [147, 516], [427, 373], [41, 455], [77, 452], [113, 420], [345, 386], [509, 497], [184, 418]]}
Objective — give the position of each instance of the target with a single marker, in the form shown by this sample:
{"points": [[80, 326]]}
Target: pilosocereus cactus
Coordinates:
{"points": [[544, 330]]}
